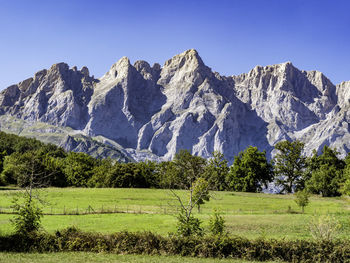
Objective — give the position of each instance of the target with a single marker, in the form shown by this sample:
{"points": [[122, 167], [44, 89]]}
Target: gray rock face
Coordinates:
{"points": [[57, 96], [155, 111], [283, 94], [125, 98]]}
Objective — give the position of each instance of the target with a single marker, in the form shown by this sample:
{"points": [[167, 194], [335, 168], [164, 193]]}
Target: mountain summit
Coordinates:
{"points": [[153, 111]]}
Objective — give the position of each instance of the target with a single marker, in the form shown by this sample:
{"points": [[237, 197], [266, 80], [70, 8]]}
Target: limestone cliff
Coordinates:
{"points": [[154, 111]]}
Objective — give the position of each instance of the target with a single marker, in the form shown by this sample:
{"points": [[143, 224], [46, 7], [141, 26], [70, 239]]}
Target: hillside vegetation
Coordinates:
{"points": [[251, 171]]}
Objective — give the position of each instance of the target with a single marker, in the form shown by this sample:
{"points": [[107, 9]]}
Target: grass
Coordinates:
{"points": [[82, 257], [248, 214]]}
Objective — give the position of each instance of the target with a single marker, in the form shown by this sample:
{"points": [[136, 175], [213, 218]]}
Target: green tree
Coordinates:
{"points": [[216, 172], [200, 192], [78, 168], [326, 181], [101, 173], [2, 158], [182, 171], [325, 173], [20, 168], [47, 166], [28, 215], [328, 157], [126, 175], [345, 188], [31, 174], [302, 199], [55, 167], [12, 143], [9, 172], [250, 171], [149, 172], [289, 164], [186, 172]]}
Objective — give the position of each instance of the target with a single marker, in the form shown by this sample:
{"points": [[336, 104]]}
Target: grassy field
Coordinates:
{"points": [[247, 214], [94, 257]]}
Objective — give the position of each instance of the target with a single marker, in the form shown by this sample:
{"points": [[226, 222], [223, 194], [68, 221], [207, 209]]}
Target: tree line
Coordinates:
{"points": [[27, 160]]}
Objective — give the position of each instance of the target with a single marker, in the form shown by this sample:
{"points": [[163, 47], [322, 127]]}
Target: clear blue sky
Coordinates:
{"points": [[232, 36]]}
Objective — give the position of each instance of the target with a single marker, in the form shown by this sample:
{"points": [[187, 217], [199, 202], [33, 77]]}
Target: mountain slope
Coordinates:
{"points": [[154, 111]]}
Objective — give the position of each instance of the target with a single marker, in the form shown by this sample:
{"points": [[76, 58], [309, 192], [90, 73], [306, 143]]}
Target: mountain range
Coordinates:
{"points": [[139, 111]]}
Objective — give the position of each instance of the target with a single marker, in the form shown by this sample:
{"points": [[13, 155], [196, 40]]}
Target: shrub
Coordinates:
{"points": [[324, 227], [217, 223], [28, 216], [72, 239], [188, 225], [302, 199]]}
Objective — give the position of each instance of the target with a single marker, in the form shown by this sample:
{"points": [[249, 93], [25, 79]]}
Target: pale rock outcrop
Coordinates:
{"points": [[154, 111], [125, 98], [343, 93], [57, 96], [282, 93]]}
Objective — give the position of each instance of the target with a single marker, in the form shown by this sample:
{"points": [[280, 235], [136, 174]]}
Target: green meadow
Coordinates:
{"points": [[250, 215]]}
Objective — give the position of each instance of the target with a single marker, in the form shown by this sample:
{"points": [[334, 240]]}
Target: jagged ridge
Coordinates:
{"points": [[155, 111]]}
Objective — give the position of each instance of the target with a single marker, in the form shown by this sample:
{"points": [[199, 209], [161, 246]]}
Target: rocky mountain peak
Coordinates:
{"points": [[40, 74], [56, 96], [148, 72], [85, 71], [184, 72], [189, 58], [119, 69], [155, 111], [59, 67], [142, 65]]}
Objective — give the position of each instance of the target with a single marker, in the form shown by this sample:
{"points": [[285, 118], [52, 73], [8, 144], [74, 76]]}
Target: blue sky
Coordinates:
{"points": [[232, 36]]}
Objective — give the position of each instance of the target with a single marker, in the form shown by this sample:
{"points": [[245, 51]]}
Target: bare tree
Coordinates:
{"points": [[31, 174], [186, 172]]}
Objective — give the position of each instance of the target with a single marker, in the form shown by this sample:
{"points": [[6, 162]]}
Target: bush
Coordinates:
{"points": [[217, 223], [28, 216], [324, 227], [188, 225], [72, 239]]}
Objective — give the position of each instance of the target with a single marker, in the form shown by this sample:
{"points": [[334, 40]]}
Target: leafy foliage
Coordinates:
{"points": [[186, 169], [78, 168], [326, 173], [28, 216], [216, 172], [302, 199], [290, 165], [72, 239], [200, 192], [188, 225], [250, 171], [217, 224], [325, 181]]}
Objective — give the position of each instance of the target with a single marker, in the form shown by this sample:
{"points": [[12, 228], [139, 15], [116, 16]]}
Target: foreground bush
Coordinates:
{"points": [[72, 239]]}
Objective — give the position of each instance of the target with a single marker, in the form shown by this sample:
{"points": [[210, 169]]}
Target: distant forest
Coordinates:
{"points": [[23, 159]]}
